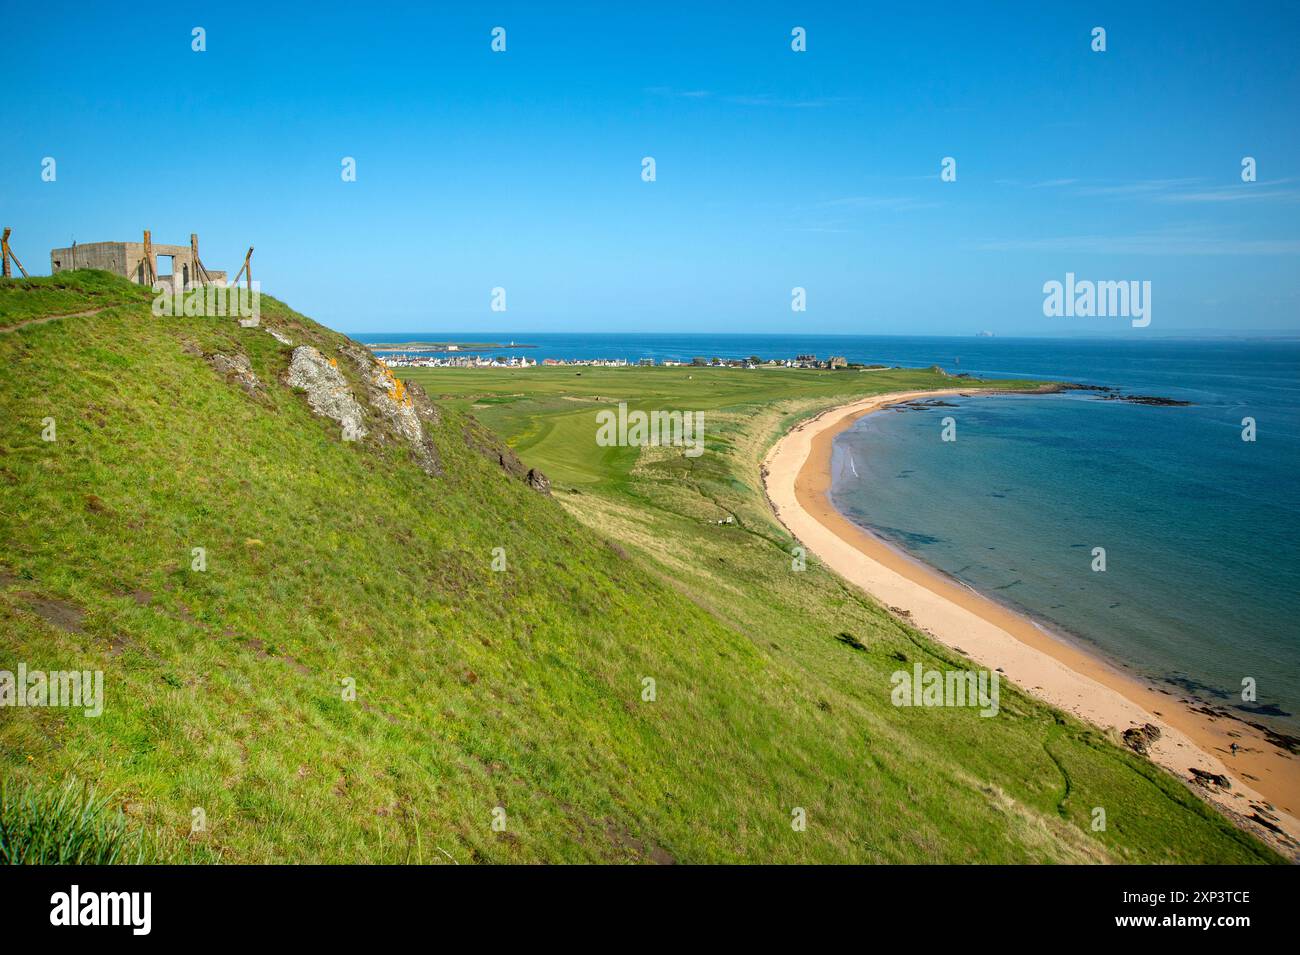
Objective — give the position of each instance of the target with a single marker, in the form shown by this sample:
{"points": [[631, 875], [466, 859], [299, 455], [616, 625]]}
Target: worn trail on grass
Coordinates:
{"points": [[49, 318]]}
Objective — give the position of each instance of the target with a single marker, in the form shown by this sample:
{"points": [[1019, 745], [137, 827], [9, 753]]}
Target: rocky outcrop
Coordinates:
{"points": [[1111, 393], [511, 464], [279, 336], [1206, 779], [538, 481], [403, 412], [1140, 738], [1268, 820], [424, 406], [327, 391], [235, 368], [1154, 400], [490, 446]]}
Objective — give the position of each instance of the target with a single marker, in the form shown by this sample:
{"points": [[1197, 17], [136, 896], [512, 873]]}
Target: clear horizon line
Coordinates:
{"points": [[1099, 336]]}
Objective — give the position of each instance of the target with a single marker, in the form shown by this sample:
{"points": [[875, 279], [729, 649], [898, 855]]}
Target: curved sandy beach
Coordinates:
{"points": [[1265, 780]]}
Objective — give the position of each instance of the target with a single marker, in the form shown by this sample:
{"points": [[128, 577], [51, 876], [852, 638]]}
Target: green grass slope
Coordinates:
{"points": [[481, 696]]}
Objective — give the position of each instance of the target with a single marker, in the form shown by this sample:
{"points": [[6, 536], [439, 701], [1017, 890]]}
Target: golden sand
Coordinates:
{"points": [[798, 479]]}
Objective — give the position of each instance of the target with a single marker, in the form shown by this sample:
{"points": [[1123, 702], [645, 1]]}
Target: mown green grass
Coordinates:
{"points": [[475, 689]]}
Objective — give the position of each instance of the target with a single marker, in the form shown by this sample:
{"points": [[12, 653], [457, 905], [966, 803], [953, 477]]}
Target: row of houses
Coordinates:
{"points": [[513, 361], [753, 361], [456, 361], [594, 362]]}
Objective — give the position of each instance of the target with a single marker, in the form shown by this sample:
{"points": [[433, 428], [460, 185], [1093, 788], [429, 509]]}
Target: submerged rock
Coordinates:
{"points": [[1154, 400]]}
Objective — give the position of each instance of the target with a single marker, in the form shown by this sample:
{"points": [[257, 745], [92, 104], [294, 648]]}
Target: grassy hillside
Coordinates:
{"points": [[476, 690]]}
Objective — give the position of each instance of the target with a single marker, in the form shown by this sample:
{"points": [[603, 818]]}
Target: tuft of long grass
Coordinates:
{"points": [[68, 825]]}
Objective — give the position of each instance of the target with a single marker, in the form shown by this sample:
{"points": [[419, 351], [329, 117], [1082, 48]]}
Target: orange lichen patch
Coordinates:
{"points": [[396, 387]]}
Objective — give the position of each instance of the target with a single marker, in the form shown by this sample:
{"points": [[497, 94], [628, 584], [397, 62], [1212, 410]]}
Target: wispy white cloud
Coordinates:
{"points": [[1240, 192], [781, 102], [746, 99], [1182, 190], [852, 213], [1149, 188], [1166, 242], [1044, 184], [895, 203]]}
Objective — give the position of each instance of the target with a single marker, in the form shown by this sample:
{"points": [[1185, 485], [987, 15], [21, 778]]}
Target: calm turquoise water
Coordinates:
{"points": [[1202, 559]]}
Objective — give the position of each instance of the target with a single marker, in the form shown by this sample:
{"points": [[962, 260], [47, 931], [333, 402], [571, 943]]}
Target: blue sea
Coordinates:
{"points": [[1201, 587], [1202, 582]]}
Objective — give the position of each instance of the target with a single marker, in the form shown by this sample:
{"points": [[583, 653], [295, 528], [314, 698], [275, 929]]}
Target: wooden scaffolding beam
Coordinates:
{"points": [[150, 263], [245, 269], [201, 275], [7, 254]]}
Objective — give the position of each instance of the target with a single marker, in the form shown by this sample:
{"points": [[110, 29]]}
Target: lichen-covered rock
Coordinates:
{"points": [[235, 368], [280, 336], [424, 405], [401, 410], [327, 390], [389, 397]]}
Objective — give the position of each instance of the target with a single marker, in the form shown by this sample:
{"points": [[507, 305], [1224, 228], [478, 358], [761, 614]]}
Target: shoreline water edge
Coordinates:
{"points": [[1263, 779]]}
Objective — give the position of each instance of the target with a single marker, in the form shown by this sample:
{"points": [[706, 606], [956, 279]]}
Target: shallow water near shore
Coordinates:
{"points": [[1202, 575]]}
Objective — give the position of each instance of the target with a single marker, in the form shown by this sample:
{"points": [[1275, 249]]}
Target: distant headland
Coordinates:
{"points": [[442, 346]]}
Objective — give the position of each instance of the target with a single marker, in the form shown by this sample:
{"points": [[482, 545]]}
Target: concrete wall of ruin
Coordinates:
{"points": [[127, 259], [109, 256]]}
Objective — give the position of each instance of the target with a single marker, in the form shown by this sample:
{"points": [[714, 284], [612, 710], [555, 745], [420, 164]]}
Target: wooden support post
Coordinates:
{"points": [[201, 275], [247, 267], [150, 264], [7, 254]]}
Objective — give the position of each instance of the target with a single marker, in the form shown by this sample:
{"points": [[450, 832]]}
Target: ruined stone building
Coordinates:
{"points": [[176, 264]]}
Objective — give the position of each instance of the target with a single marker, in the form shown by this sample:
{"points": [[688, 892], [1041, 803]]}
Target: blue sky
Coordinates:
{"points": [[775, 169]]}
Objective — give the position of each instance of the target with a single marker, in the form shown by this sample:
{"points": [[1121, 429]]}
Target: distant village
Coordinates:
{"points": [[517, 361]]}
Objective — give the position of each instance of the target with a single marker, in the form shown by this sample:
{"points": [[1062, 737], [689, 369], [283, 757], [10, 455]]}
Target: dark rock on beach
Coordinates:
{"points": [[1140, 738], [1202, 778]]}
